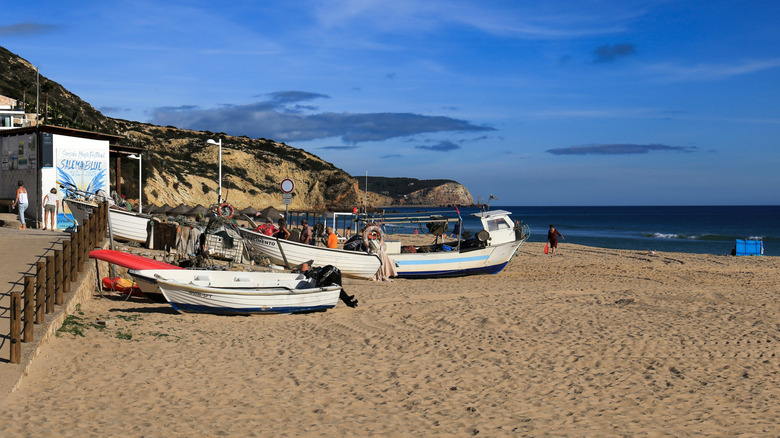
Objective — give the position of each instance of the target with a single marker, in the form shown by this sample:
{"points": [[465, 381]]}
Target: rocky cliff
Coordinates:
{"points": [[180, 167], [450, 193]]}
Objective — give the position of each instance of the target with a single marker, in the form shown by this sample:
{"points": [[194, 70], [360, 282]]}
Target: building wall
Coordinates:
{"points": [[7, 103], [79, 161]]}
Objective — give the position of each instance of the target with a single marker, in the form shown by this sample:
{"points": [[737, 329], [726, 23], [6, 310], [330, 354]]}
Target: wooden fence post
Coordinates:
{"points": [[93, 220], [74, 259], [81, 234], [66, 265], [100, 228], [16, 327], [49, 284], [104, 227], [29, 307], [40, 292], [59, 290]]}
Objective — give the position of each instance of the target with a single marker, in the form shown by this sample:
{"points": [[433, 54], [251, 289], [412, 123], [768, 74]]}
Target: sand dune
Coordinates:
{"points": [[592, 342]]}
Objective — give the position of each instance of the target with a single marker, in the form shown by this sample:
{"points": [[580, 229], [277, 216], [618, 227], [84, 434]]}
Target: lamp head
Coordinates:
{"points": [[210, 141]]}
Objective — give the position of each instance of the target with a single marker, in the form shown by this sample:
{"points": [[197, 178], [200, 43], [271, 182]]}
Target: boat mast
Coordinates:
{"points": [[365, 196]]}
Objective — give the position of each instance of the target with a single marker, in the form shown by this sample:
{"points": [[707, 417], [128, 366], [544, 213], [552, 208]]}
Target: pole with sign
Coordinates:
{"points": [[287, 187]]}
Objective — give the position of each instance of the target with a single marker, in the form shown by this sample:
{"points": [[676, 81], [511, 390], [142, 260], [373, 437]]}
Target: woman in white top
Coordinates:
{"points": [[22, 202], [51, 205]]}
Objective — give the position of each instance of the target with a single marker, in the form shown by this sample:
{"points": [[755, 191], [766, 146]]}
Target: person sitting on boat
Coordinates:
{"points": [[268, 228], [126, 204], [282, 233], [333, 239]]}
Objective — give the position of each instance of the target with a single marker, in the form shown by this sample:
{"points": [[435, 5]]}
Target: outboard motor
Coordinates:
{"points": [[330, 275], [355, 243]]}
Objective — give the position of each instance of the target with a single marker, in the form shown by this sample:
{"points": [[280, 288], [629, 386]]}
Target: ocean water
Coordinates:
{"points": [[690, 229]]}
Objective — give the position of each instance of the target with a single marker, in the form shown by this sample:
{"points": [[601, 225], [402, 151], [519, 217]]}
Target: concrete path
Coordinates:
{"points": [[20, 250]]}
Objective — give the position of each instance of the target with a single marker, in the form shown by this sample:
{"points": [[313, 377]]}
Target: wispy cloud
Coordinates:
{"points": [[612, 52], [339, 148], [443, 146], [505, 19], [619, 149], [709, 72], [282, 119], [112, 110], [28, 29]]}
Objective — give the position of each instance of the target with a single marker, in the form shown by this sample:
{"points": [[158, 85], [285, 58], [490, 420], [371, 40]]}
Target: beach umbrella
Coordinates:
{"points": [[198, 210], [163, 209], [180, 210], [271, 213], [249, 211]]}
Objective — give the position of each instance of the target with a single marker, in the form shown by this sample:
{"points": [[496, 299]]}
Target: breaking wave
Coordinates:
{"points": [[707, 237]]}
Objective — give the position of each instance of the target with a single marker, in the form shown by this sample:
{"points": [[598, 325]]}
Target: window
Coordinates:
{"points": [[498, 224]]}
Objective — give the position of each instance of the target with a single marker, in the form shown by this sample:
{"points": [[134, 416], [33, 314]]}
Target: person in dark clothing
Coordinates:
{"points": [[552, 238], [282, 232]]}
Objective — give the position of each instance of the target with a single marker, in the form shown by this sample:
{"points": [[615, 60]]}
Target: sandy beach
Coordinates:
{"points": [[592, 342]]}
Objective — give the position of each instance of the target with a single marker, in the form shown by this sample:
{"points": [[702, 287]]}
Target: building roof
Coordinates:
{"points": [[62, 131]]}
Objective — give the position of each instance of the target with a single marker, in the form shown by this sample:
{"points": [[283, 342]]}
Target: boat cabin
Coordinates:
{"points": [[498, 224]]}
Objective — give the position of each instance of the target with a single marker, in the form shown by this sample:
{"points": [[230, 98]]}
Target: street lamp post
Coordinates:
{"points": [[140, 181], [219, 194]]}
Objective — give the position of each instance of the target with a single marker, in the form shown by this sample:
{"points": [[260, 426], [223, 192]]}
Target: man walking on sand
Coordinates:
{"points": [[552, 238]]}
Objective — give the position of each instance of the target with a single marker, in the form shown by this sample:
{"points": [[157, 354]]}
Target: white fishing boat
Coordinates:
{"points": [[125, 225], [353, 264], [80, 209], [234, 292], [488, 252], [128, 225]]}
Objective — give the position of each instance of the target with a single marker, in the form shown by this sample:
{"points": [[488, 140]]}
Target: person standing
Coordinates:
{"points": [[22, 201], [51, 206], [333, 239], [305, 233], [552, 238]]}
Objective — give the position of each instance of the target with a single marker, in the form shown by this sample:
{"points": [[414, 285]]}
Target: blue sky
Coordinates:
{"points": [[539, 103]]}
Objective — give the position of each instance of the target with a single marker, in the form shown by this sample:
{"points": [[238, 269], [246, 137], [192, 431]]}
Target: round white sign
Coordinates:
{"points": [[288, 185]]}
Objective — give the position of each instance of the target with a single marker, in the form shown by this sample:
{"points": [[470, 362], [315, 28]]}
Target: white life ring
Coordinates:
{"points": [[373, 232]]}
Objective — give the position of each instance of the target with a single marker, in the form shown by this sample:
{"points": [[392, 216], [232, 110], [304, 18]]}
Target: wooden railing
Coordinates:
{"points": [[53, 279]]}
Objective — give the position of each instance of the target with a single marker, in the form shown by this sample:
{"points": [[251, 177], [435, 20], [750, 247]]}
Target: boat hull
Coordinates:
{"points": [[80, 210], [246, 293], [146, 279], [351, 263], [128, 226], [125, 225], [487, 260]]}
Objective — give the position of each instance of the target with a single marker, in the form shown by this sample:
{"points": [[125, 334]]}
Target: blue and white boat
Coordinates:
{"points": [[488, 252]]}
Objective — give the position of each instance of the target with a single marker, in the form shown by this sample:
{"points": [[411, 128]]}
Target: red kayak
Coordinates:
{"points": [[129, 261]]}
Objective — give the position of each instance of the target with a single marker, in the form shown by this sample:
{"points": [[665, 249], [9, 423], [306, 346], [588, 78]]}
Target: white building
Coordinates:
{"points": [[13, 118], [42, 155]]}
